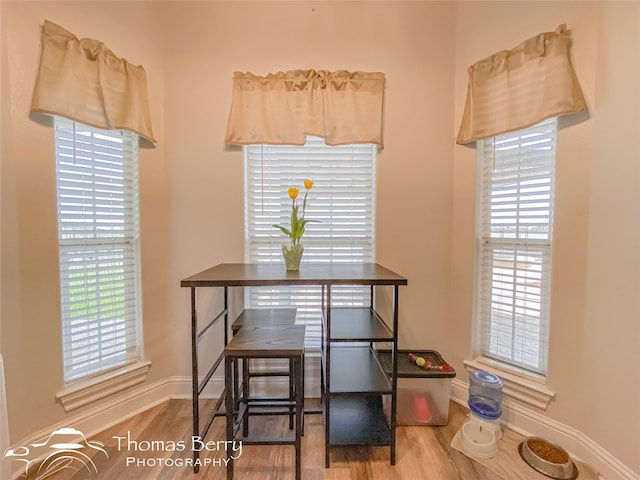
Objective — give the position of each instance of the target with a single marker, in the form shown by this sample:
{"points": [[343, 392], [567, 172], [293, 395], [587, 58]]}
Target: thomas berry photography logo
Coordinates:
{"points": [[68, 450], [64, 449]]}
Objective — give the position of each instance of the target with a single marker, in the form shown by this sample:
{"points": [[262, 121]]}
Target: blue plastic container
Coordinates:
{"points": [[485, 395]]}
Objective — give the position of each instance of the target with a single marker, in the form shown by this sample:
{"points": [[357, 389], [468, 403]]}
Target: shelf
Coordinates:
{"points": [[355, 370], [358, 421], [358, 324]]}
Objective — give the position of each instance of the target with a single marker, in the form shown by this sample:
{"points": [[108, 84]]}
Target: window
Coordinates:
{"points": [[515, 198], [97, 183], [342, 199]]}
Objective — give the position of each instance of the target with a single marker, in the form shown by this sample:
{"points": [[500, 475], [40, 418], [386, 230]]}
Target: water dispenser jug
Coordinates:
{"points": [[485, 395]]}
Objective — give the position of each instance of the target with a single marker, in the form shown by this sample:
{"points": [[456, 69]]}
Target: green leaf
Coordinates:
{"points": [[310, 220], [283, 230]]}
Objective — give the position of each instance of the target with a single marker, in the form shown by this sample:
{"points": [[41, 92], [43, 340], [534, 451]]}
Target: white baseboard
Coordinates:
{"points": [[526, 421]]}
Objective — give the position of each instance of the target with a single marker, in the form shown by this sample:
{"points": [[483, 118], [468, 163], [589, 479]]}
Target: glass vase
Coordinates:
{"points": [[292, 255]]}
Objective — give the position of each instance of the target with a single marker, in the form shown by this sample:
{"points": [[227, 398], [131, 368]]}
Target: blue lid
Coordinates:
{"points": [[486, 379]]}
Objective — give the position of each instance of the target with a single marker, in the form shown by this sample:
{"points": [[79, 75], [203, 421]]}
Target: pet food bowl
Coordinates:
{"points": [[478, 441], [548, 458]]}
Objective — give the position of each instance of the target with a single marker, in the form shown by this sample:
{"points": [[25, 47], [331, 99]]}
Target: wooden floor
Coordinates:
{"points": [[423, 453]]}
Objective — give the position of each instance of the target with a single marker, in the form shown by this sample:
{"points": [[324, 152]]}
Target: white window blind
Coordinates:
{"points": [[97, 183], [342, 199], [516, 197]]}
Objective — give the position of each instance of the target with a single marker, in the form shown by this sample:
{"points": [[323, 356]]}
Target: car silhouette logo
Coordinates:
{"points": [[64, 449]]}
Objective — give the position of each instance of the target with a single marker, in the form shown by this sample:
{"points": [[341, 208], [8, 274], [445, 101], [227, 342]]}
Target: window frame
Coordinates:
{"points": [[484, 241], [260, 162], [128, 363]]}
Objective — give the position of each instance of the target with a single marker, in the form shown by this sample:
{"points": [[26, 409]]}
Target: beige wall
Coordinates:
{"points": [[411, 42], [612, 281], [595, 311], [31, 333], [192, 187]]}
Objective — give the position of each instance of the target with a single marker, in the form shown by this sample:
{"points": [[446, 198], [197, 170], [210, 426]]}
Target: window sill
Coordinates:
{"points": [[527, 390], [87, 391]]}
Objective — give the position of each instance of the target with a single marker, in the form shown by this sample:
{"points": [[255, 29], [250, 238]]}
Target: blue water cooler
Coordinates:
{"points": [[485, 401]]}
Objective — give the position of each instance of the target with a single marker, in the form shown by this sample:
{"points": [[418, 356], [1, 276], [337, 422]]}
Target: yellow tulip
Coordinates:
{"points": [[308, 184], [293, 193]]}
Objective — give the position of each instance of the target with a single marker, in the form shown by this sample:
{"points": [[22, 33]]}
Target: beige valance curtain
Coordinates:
{"points": [[281, 108], [81, 79], [518, 88]]}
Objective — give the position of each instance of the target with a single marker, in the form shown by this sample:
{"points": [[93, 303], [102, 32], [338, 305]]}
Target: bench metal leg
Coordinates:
{"points": [[297, 372], [229, 405]]}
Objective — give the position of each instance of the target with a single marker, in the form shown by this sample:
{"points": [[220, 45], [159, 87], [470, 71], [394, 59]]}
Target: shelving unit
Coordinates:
{"points": [[353, 381]]}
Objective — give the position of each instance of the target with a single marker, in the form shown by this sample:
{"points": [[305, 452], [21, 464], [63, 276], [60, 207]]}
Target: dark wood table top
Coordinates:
{"points": [[256, 274]]}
